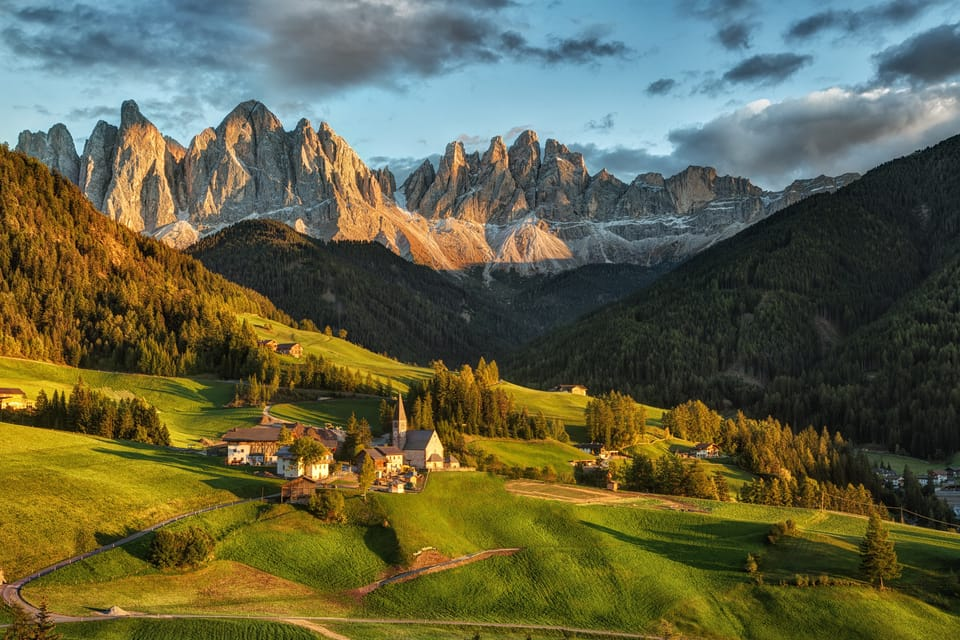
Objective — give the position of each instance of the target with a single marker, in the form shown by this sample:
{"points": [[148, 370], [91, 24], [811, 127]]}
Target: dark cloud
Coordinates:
{"points": [[715, 9], [661, 87], [770, 68], [605, 123], [320, 46], [830, 132], [582, 50], [879, 15], [97, 112], [926, 58], [735, 35]]}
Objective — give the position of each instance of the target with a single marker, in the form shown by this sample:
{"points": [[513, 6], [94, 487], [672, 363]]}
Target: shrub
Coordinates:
{"points": [[751, 565], [180, 548], [780, 530], [328, 505]]}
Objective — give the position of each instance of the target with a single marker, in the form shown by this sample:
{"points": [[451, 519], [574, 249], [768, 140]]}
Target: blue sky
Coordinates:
{"points": [[757, 89]]}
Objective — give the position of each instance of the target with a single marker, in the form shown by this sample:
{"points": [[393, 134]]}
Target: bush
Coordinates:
{"points": [[751, 565], [328, 505], [780, 530], [180, 548]]}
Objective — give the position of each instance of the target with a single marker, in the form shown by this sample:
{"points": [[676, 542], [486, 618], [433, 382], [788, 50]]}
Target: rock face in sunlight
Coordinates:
{"points": [[524, 208]]}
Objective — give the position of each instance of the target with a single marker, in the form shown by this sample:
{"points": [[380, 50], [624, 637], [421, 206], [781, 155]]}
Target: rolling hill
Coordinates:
{"points": [[840, 310]]}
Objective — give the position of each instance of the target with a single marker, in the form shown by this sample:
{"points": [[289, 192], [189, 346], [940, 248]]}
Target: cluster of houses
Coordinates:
{"points": [[396, 464], [934, 477], [294, 349]]}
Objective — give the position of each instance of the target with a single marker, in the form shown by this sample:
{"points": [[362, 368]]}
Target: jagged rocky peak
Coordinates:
{"points": [[55, 148], [452, 180], [562, 181], [524, 156], [96, 165], [417, 183]]}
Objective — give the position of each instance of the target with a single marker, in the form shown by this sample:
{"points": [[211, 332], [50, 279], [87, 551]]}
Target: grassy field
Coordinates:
{"points": [[530, 453], [341, 352], [918, 466], [66, 493], [180, 629], [191, 408], [333, 410], [683, 567]]}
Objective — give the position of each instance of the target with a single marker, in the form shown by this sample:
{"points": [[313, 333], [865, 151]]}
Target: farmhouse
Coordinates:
{"points": [[13, 398], [290, 349], [289, 466], [421, 448], [387, 460], [706, 450], [575, 389], [259, 445], [267, 344]]}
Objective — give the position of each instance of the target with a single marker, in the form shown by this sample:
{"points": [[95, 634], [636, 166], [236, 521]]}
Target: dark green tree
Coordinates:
{"points": [[878, 559]]}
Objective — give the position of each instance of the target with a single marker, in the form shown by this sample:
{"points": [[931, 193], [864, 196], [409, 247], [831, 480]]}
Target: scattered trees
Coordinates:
{"points": [[615, 420], [328, 505], [176, 548]]}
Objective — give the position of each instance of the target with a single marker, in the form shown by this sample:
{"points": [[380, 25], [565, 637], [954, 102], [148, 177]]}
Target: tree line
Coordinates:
{"points": [[89, 411]]}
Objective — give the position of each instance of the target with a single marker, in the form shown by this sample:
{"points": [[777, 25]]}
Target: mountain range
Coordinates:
{"points": [[527, 208]]}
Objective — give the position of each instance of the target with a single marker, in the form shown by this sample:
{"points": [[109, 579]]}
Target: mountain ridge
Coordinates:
{"points": [[520, 208]]}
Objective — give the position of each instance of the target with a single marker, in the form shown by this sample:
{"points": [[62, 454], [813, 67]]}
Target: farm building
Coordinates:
{"points": [[267, 344], [387, 460], [290, 349], [259, 445], [13, 398], [575, 389], [706, 450], [298, 490]]}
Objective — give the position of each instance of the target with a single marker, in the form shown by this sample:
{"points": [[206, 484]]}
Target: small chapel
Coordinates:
{"points": [[421, 448]]}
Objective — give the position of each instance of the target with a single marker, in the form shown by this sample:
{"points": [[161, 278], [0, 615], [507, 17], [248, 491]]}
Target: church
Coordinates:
{"points": [[421, 448]]}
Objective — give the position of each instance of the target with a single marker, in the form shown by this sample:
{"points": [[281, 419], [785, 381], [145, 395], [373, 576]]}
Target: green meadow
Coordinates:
{"points": [[530, 453], [66, 493], [625, 566], [145, 629], [336, 411]]}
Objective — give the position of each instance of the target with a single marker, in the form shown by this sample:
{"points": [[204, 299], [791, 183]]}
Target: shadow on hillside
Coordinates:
{"points": [[719, 546], [383, 542], [224, 478]]}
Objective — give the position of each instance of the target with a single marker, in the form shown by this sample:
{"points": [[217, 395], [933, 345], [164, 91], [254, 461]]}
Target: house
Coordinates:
{"points": [[421, 448], [13, 398], [299, 489], [267, 344], [252, 445], [451, 462], [387, 460], [706, 450], [575, 389], [288, 466], [591, 448], [290, 349]]}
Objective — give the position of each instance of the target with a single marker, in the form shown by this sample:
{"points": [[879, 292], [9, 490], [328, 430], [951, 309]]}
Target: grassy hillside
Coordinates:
{"points": [[68, 493], [840, 310], [180, 629], [684, 567]]}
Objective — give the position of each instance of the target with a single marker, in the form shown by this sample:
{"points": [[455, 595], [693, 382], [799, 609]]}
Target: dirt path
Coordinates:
{"points": [[404, 576], [313, 626], [588, 495]]}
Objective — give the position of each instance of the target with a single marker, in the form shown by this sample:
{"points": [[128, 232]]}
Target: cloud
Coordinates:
{"points": [[715, 9], [625, 162], [879, 15], [585, 49], [770, 68], [926, 58], [661, 87], [735, 35], [604, 124], [402, 167], [831, 131], [514, 132]]}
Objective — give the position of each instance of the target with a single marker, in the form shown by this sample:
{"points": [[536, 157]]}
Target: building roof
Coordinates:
{"points": [[11, 391], [286, 346], [417, 439], [373, 454], [435, 457], [390, 450], [260, 433]]}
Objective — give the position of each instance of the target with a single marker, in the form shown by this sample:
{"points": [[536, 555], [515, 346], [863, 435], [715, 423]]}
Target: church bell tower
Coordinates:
{"points": [[399, 425]]}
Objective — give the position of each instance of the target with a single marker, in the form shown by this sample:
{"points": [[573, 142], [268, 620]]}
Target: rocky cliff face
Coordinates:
{"points": [[520, 208]]}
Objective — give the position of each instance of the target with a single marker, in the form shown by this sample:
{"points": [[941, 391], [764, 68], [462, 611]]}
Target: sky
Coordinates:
{"points": [[772, 91]]}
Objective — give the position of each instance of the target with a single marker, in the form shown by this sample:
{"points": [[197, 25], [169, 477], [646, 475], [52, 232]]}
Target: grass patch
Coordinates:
{"points": [[333, 410], [530, 453], [67, 493], [180, 629]]}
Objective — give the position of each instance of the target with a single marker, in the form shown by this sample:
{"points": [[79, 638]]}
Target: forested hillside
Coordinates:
{"points": [[841, 310], [79, 289]]}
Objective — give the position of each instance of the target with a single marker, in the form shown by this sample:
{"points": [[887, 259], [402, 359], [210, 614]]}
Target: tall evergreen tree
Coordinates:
{"points": [[878, 559]]}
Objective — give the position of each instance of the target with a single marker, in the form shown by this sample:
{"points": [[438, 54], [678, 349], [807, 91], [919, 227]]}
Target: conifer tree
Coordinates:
{"points": [[878, 559]]}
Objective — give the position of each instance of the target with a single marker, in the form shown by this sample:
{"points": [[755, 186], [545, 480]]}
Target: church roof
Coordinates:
{"points": [[418, 439]]}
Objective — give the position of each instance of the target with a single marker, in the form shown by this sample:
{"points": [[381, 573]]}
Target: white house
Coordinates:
{"points": [[288, 466]]}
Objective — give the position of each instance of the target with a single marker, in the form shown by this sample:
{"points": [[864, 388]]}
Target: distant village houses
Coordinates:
{"points": [[575, 389], [260, 445], [290, 349]]}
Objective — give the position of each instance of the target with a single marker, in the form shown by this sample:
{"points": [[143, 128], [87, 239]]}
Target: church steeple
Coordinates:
{"points": [[399, 424]]}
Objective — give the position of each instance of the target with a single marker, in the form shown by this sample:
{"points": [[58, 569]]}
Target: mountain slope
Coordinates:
{"points": [[384, 302], [827, 312], [522, 209], [79, 289]]}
